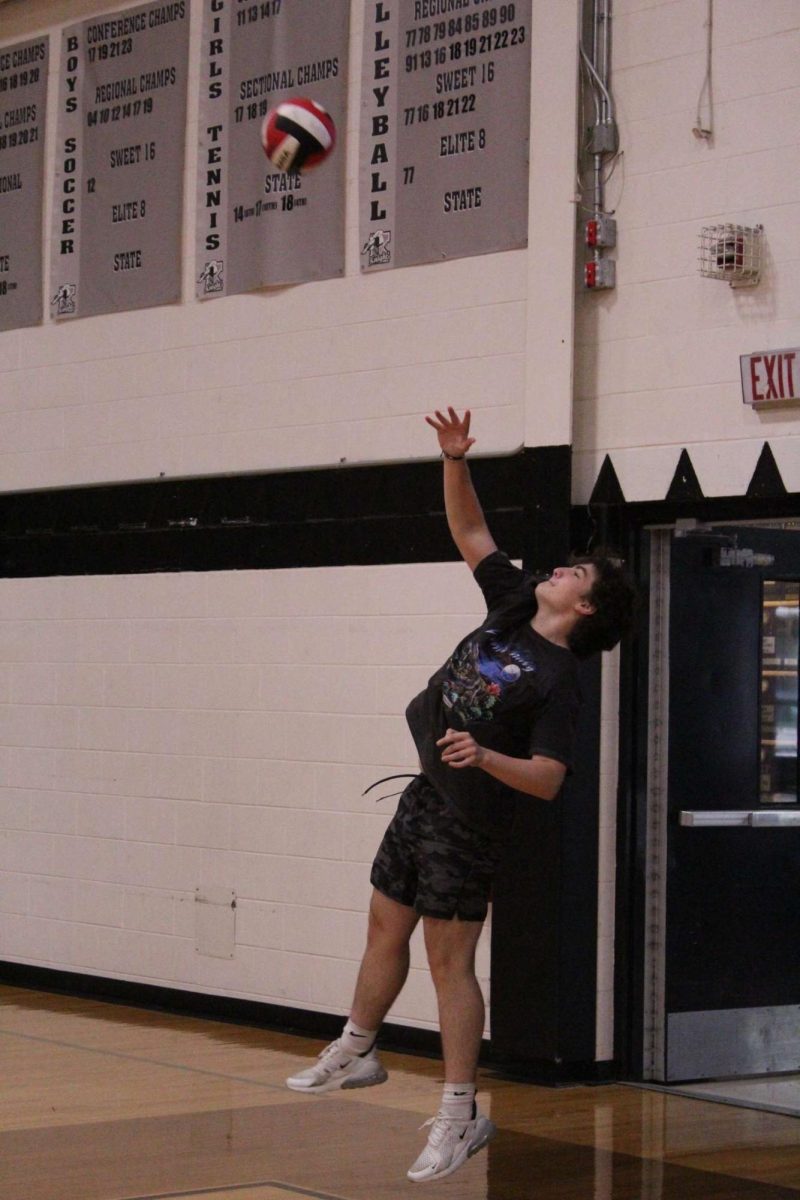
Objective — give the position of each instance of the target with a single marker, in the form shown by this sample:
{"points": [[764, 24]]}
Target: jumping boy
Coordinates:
{"points": [[496, 720]]}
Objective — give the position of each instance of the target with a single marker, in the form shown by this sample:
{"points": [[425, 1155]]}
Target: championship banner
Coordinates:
{"points": [[444, 129], [23, 104], [262, 222], [118, 205]]}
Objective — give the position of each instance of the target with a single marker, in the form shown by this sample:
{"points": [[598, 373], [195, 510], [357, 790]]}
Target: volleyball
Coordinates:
{"points": [[298, 134]]}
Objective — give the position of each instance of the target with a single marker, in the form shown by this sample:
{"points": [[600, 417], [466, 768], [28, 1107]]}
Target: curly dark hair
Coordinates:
{"points": [[615, 603]]}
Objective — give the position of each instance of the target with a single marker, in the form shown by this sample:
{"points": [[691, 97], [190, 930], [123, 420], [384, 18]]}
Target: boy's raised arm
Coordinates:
{"points": [[465, 517]]}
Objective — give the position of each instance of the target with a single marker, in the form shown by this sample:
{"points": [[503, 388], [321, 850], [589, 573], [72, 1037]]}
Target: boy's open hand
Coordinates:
{"points": [[452, 431]]}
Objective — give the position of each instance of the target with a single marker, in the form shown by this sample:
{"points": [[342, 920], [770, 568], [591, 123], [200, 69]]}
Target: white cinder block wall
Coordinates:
{"points": [[162, 733], [657, 359]]}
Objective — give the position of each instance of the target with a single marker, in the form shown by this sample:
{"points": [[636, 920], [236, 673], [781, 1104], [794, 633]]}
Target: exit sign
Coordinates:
{"points": [[771, 377]]}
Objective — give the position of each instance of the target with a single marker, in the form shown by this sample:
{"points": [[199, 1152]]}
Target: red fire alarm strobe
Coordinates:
{"points": [[771, 376]]}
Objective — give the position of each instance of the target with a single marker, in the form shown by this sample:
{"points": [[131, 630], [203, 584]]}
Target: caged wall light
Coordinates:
{"points": [[731, 252]]}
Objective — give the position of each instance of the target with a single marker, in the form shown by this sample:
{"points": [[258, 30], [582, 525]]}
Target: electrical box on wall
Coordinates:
{"points": [[600, 231], [603, 138], [599, 273]]}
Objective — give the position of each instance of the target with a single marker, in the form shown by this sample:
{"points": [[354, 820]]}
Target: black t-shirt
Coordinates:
{"points": [[512, 689]]}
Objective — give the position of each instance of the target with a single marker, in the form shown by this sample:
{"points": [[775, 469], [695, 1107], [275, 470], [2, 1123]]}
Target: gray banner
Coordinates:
{"points": [[23, 105], [257, 226], [120, 160], [445, 129]]}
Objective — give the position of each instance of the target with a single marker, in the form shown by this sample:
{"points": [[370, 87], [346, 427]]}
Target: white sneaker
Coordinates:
{"points": [[335, 1069], [450, 1144]]}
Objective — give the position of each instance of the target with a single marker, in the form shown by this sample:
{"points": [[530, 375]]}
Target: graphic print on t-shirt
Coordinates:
{"points": [[480, 674]]}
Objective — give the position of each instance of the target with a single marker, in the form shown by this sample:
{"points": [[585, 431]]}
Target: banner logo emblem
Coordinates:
{"points": [[211, 277], [377, 249], [64, 300]]}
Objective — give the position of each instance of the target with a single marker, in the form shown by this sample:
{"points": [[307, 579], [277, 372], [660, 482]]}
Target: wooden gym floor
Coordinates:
{"points": [[100, 1102]]}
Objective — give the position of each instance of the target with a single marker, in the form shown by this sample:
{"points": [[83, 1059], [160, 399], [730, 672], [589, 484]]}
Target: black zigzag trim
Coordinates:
{"points": [[685, 484], [607, 488], [766, 482]]}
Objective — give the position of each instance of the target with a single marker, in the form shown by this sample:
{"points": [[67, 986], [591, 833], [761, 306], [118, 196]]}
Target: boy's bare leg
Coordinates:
{"points": [[451, 949], [384, 967], [459, 1129], [350, 1061]]}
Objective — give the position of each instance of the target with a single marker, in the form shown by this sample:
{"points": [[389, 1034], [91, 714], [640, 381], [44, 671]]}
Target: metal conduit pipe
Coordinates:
{"points": [[603, 140]]}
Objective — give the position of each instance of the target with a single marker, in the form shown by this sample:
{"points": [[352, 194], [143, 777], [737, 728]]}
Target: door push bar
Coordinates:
{"points": [[766, 818]]}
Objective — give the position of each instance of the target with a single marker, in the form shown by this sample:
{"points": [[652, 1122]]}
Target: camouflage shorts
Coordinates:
{"points": [[431, 861]]}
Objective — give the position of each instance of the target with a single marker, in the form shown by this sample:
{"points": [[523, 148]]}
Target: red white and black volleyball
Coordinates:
{"points": [[298, 134]]}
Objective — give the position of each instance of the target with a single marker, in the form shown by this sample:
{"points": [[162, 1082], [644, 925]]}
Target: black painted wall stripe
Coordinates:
{"points": [[332, 517]]}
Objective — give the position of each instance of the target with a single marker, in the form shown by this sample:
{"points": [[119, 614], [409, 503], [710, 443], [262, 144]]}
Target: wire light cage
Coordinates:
{"points": [[731, 252]]}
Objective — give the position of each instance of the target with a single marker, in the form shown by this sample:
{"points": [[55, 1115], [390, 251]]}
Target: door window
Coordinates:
{"points": [[780, 641]]}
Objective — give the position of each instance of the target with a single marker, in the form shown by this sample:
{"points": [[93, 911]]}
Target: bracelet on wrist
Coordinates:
{"points": [[453, 457]]}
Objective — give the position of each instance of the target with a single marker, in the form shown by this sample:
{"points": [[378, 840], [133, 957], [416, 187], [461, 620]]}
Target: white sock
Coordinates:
{"points": [[355, 1040], [458, 1101]]}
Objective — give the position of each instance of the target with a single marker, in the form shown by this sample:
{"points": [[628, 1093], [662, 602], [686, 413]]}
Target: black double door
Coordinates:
{"points": [[730, 941]]}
